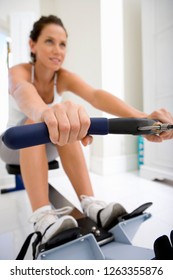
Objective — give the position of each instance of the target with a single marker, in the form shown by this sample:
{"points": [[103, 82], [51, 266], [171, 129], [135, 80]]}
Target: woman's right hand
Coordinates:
{"points": [[67, 122]]}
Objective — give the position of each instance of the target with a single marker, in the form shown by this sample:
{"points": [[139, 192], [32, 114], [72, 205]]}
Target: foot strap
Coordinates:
{"points": [[98, 218], [26, 244], [55, 241], [60, 239]]}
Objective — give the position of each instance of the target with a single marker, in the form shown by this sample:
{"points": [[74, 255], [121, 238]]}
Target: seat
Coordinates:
{"points": [[15, 170]]}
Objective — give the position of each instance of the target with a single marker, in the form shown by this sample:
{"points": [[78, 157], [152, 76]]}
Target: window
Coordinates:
{"points": [[5, 58]]}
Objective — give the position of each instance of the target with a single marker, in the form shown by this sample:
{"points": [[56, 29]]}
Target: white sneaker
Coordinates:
{"points": [[100, 212], [51, 222], [110, 213]]}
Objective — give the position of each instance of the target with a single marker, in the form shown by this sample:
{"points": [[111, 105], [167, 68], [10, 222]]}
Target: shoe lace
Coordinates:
{"points": [[52, 212], [89, 201]]}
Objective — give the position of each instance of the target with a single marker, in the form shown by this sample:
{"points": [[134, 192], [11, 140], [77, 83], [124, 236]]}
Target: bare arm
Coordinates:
{"points": [[25, 94], [111, 104], [66, 122], [101, 99], [115, 105]]}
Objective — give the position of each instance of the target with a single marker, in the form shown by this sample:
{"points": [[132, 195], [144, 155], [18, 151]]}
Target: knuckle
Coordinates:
{"points": [[75, 127], [163, 110], [45, 114], [87, 122], [68, 103], [52, 123], [58, 107], [64, 127]]}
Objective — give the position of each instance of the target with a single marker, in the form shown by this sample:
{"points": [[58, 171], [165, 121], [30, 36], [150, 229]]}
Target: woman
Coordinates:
{"points": [[36, 89]]}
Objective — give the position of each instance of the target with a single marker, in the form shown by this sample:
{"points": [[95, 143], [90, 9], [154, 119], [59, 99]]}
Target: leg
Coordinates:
{"points": [[74, 165], [73, 162], [34, 169]]}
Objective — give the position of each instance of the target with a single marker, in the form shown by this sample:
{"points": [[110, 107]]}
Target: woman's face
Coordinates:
{"points": [[50, 48]]}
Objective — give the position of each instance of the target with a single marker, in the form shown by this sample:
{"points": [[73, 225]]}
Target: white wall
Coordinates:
{"points": [[11, 12], [12, 15], [3, 82], [82, 21], [133, 91], [11, 6]]}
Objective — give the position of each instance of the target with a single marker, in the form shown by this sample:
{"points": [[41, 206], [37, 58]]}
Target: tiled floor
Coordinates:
{"points": [[129, 189]]}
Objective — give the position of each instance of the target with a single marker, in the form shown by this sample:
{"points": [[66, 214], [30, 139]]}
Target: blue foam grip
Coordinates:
{"points": [[99, 126], [19, 137]]}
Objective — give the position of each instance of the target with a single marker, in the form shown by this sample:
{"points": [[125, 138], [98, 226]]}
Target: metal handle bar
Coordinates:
{"points": [[19, 137]]}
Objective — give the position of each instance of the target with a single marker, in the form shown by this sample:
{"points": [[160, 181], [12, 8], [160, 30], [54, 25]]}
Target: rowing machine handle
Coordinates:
{"points": [[19, 137]]}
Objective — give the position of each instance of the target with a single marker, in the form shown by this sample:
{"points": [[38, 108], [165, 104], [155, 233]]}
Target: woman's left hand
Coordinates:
{"points": [[163, 116]]}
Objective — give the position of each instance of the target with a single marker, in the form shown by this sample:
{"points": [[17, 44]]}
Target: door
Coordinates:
{"points": [[157, 38]]}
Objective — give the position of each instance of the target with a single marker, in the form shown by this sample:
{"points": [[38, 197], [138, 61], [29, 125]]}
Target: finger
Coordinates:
{"points": [[52, 125], [84, 123], [166, 135], [87, 140], [162, 115], [153, 138], [63, 127], [74, 122]]}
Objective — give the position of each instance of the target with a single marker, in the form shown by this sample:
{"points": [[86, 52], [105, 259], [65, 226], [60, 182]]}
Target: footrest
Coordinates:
{"points": [[86, 226], [138, 211], [82, 248], [125, 217]]}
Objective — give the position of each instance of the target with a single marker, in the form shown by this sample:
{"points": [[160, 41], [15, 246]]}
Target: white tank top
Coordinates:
{"points": [[16, 117]]}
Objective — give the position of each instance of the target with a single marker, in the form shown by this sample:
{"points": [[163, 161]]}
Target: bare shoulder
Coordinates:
{"points": [[70, 81], [65, 77], [65, 74], [18, 75], [22, 70]]}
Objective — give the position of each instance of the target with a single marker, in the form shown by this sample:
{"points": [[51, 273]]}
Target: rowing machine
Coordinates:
{"points": [[89, 241]]}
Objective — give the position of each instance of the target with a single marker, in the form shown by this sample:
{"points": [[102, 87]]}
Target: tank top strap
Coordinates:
{"points": [[55, 83], [32, 73]]}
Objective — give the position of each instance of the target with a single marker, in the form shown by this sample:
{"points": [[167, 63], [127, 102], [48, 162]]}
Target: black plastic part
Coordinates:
{"points": [[129, 126], [86, 225], [60, 239], [15, 169], [138, 211], [163, 249]]}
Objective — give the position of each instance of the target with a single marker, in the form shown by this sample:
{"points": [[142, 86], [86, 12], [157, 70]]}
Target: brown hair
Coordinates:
{"points": [[39, 25]]}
